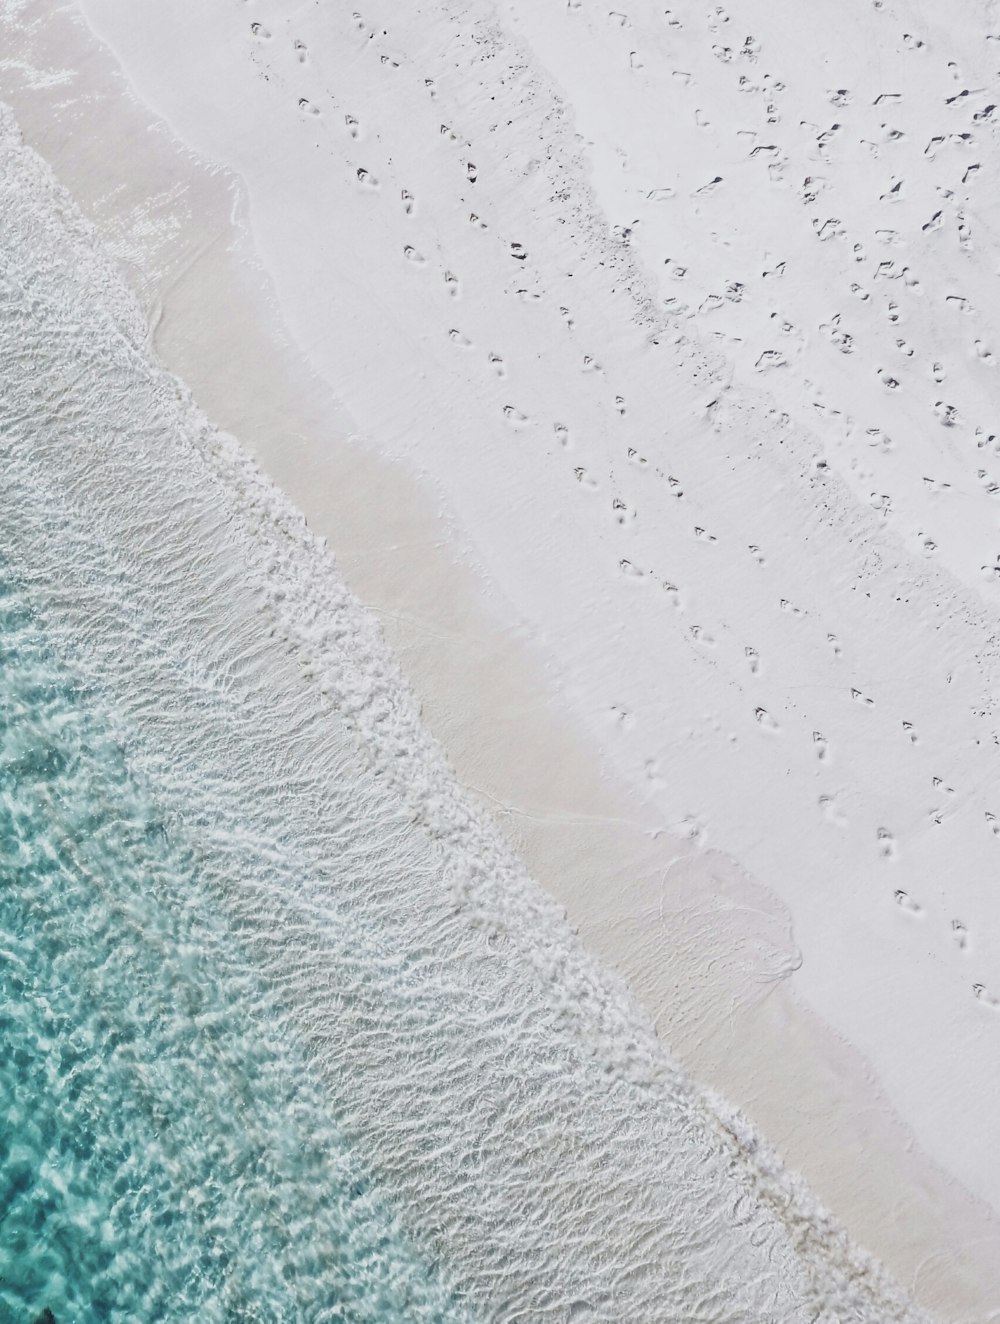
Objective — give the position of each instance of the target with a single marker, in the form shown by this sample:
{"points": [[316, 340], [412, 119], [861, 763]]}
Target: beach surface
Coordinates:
{"points": [[638, 369]]}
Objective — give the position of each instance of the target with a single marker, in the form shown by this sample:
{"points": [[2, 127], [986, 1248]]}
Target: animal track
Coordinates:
{"points": [[409, 204], [452, 284], [753, 658], [412, 255], [353, 128], [457, 338], [498, 365], [514, 416]]}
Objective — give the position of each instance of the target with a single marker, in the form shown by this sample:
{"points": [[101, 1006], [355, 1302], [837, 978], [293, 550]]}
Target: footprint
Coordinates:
{"points": [[353, 128], [887, 849], [984, 354], [630, 569], [831, 813], [624, 513], [409, 204], [691, 828], [834, 643], [788, 607], [411, 255], [514, 416], [562, 433], [456, 338], [771, 358], [471, 173], [452, 285], [994, 825], [858, 697], [753, 658], [947, 415], [986, 997], [635, 458], [307, 107], [764, 719], [260, 32], [301, 52], [519, 251], [366, 177], [620, 405], [961, 935], [914, 738], [757, 554], [583, 477], [907, 903], [821, 745], [477, 221], [498, 365], [700, 636], [703, 536]]}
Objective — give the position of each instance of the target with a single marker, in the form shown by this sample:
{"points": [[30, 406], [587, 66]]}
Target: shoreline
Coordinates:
{"points": [[427, 593]]}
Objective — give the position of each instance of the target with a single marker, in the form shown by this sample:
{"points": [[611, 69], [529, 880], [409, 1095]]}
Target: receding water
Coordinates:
{"points": [[286, 1032]]}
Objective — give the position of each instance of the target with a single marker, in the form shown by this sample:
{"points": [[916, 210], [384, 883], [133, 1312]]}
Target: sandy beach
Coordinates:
{"points": [[637, 369]]}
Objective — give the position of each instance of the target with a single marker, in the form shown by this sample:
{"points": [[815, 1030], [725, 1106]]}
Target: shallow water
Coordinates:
{"points": [[165, 1153], [286, 1032]]}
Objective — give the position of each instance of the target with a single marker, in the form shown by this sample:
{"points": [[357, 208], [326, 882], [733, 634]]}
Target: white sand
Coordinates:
{"points": [[675, 578]]}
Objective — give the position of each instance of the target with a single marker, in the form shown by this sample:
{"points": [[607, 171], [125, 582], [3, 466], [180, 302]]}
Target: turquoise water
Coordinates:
{"points": [[164, 1152], [286, 1033]]}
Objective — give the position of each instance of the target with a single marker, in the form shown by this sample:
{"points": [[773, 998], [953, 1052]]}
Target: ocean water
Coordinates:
{"points": [[286, 1032]]}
